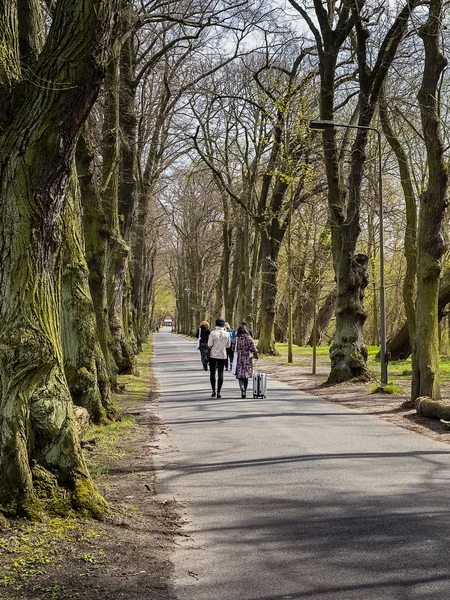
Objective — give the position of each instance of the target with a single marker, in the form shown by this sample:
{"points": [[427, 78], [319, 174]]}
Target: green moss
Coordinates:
{"points": [[80, 381], [86, 499], [45, 483], [339, 375], [30, 507], [28, 550]]}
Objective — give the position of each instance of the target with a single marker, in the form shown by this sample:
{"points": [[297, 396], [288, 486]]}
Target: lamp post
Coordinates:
{"points": [[320, 126]]}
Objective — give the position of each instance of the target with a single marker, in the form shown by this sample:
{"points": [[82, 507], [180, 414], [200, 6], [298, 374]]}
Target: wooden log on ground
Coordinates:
{"points": [[435, 409]]}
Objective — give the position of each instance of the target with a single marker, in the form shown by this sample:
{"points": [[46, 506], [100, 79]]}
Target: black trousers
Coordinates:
{"points": [[219, 364], [230, 355], [243, 383]]}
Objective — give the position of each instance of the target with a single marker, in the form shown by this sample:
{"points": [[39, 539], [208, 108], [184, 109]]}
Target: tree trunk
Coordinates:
{"points": [[117, 250], [348, 353], [269, 268], [399, 346], [323, 318], [431, 247], [228, 290], [95, 241], [84, 364], [37, 146], [410, 248], [435, 409]]}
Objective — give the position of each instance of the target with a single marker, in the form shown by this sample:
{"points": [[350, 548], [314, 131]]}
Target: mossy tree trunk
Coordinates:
{"points": [[229, 291], [399, 345], [433, 203], [37, 144], [128, 163], [118, 250], [96, 243], [84, 363]]}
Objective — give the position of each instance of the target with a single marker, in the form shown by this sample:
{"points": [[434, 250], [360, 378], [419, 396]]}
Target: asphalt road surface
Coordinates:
{"points": [[296, 497]]}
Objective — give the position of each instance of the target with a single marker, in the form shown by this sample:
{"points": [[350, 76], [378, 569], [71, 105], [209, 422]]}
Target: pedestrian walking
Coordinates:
{"points": [[243, 346], [202, 344], [218, 342], [232, 334]]}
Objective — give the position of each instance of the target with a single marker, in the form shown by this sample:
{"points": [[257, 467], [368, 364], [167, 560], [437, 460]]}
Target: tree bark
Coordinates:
{"points": [[323, 318], [399, 346], [36, 156], [410, 251], [95, 241], [433, 203], [84, 363], [269, 269], [117, 250]]}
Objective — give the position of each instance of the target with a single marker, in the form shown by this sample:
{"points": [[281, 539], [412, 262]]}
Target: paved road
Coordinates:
{"points": [[296, 497]]}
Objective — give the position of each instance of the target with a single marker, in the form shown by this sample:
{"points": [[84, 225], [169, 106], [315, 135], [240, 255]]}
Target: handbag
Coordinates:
{"points": [[198, 341], [234, 363]]}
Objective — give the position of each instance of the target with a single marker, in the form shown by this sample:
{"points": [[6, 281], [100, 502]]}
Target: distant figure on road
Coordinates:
{"points": [[232, 334], [203, 336], [218, 342], [243, 346]]}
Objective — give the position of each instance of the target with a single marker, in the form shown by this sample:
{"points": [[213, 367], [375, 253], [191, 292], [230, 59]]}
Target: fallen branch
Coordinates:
{"points": [[435, 409]]}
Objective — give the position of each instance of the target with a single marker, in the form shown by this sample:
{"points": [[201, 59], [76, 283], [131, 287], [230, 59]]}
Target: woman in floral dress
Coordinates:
{"points": [[243, 345]]}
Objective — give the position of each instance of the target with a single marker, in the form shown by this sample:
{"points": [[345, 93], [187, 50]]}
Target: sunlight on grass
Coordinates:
{"points": [[390, 388], [398, 369]]}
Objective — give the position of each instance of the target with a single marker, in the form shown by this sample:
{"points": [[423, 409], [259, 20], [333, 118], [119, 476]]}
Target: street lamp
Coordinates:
{"points": [[320, 126]]}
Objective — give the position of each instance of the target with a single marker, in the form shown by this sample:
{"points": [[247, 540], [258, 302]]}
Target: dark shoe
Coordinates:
{"points": [[205, 367], [219, 396], [226, 368], [213, 395], [242, 394]]}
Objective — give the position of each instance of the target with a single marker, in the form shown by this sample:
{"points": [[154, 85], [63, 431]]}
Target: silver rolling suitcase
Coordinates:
{"points": [[259, 385]]}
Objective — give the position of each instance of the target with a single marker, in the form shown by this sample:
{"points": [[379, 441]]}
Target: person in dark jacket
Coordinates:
{"points": [[203, 336], [243, 346], [232, 334]]}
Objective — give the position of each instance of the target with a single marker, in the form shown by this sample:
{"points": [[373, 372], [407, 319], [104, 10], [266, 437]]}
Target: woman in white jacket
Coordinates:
{"points": [[218, 342]]}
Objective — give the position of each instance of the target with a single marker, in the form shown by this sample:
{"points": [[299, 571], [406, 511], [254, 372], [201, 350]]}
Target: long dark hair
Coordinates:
{"points": [[243, 330]]}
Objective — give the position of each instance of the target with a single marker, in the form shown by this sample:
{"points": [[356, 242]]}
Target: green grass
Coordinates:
{"points": [[398, 369], [107, 437], [106, 449], [390, 388]]}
